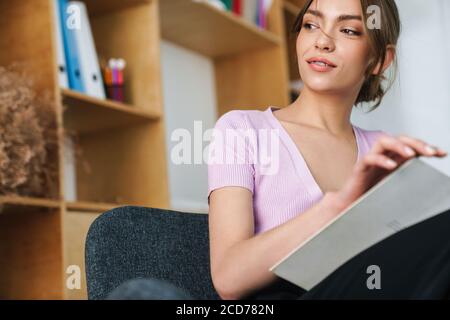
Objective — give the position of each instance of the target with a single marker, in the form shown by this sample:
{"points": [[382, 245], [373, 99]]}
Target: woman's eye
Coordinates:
{"points": [[309, 26], [351, 32]]}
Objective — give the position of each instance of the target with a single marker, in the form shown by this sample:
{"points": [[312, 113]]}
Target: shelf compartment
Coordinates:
{"points": [[85, 114], [121, 165], [31, 252], [211, 31], [132, 34]]}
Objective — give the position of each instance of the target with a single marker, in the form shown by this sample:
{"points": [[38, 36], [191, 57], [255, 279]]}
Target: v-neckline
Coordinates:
{"points": [[300, 164]]}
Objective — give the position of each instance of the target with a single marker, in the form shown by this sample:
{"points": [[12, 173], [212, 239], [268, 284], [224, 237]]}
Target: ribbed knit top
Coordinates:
{"points": [[251, 149]]}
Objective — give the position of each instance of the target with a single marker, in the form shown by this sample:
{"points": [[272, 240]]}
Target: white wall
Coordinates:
{"points": [[418, 105], [189, 95]]}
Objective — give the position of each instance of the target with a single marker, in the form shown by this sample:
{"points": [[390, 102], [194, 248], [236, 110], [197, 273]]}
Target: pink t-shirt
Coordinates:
{"points": [[251, 149]]}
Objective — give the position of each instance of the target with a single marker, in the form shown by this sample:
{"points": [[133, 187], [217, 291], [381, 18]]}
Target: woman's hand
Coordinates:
{"points": [[387, 154]]}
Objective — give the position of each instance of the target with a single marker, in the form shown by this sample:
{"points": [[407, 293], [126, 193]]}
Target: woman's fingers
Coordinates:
{"points": [[422, 147], [377, 160], [406, 147], [388, 143]]}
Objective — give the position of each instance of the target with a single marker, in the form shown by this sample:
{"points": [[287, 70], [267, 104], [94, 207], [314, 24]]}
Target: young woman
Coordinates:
{"points": [[324, 163]]}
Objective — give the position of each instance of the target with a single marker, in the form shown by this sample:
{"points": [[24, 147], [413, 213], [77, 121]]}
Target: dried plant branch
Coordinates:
{"points": [[28, 138]]}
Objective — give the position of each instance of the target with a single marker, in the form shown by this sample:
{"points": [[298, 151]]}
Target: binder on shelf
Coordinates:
{"points": [[87, 55], [265, 7], [228, 4], [218, 4], [61, 57], [70, 48], [250, 10], [237, 7], [260, 21]]}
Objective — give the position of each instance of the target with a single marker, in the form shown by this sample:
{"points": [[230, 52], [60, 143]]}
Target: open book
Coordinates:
{"points": [[414, 192]]}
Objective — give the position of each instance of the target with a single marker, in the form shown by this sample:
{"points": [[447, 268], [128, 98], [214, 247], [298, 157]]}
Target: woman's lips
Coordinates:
{"points": [[320, 68]]}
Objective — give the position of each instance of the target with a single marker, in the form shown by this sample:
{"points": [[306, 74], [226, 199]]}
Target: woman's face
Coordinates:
{"points": [[333, 30]]}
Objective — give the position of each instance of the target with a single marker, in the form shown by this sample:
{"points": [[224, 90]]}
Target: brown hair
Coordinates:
{"points": [[379, 39]]}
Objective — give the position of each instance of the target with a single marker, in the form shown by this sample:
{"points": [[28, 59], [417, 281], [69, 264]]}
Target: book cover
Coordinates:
{"points": [[411, 194]]}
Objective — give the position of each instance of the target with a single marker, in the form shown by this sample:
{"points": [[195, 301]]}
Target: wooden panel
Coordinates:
{"points": [[125, 166], [32, 202], [99, 7], [291, 41], [133, 34], [30, 254], [90, 206], [256, 79], [295, 5], [84, 114], [291, 8], [26, 38], [210, 31], [76, 227]]}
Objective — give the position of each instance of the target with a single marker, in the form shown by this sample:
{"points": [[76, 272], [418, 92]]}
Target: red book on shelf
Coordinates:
{"points": [[237, 7]]}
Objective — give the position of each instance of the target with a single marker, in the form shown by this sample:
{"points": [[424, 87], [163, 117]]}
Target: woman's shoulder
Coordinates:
{"points": [[242, 119], [371, 136]]}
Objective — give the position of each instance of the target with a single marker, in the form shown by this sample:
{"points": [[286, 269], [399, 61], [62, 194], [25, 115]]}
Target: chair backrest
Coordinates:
{"points": [[136, 242]]}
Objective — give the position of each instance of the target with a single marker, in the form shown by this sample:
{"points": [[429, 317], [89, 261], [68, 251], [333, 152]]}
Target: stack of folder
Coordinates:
{"points": [[78, 65]]}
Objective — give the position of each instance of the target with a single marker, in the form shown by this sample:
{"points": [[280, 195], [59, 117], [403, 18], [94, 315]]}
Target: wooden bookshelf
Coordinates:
{"points": [[31, 253], [211, 31], [85, 114], [122, 144]]}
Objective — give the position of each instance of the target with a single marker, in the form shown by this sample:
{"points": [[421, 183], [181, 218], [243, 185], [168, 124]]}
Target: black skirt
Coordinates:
{"points": [[414, 263]]}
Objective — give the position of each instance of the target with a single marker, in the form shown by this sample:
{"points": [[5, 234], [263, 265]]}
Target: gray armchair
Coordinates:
{"points": [[148, 253], [136, 242]]}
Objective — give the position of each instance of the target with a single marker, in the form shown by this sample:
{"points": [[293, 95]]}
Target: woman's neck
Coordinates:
{"points": [[330, 113]]}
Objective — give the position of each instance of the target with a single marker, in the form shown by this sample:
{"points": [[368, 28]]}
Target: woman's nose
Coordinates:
{"points": [[324, 42]]}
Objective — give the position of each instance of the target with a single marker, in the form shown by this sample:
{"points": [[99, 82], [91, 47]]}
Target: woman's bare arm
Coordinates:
{"points": [[240, 261]]}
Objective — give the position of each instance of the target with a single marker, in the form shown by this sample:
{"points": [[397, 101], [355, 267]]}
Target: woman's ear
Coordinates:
{"points": [[390, 55]]}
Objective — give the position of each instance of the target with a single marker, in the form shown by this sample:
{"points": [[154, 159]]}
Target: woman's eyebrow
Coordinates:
{"points": [[339, 19]]}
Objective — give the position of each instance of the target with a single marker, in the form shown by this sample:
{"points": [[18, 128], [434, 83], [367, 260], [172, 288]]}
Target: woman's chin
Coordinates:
{"points": [[320, 86]]}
